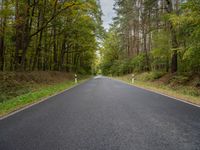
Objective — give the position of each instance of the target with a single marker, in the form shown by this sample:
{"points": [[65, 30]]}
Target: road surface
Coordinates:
{"points": [[104, 114]]}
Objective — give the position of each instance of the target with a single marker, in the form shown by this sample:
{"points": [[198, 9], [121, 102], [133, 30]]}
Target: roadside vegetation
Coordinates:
{"points": [[178, 86], [22, 89], [156, 39]]}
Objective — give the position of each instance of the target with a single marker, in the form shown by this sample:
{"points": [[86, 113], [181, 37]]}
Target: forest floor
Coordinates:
{"points": [[184, 87], [19, 89]]}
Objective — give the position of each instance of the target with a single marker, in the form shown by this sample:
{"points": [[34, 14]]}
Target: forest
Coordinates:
{"points": [[153, 35], [65, 35], [49, 35]]}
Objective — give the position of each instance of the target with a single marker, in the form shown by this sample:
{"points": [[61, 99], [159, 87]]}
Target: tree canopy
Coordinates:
{"points": [[49, 34], [150, 35]]}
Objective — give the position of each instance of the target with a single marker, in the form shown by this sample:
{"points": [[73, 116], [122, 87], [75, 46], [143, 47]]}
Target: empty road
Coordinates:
{"points": [[104, 114]]}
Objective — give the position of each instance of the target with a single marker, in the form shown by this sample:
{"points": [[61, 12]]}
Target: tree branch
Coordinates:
{"points": [[54, 16]]}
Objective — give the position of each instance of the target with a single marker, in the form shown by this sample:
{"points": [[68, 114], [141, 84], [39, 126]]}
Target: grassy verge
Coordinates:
{"points": [[186, 93], [21, 101]]}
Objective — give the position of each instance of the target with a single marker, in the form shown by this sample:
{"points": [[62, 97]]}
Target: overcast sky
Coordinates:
{"points": [[107, 8]]}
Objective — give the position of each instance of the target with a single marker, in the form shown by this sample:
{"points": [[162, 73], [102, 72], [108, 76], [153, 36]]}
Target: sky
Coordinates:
{"points": [[107, 8]]}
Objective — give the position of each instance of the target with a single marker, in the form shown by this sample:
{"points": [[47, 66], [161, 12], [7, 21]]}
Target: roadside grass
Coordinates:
{"points": [[183, 92], [21, 101], [14, 84]]}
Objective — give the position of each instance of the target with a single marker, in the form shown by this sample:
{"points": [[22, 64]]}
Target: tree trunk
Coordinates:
{"points": [[174, 59], [174, 63], [2, 32], [55, 55], [17, 36], [25, 37], [62, 56]]}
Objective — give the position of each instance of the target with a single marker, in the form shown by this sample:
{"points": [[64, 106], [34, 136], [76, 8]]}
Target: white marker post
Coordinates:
{"points": [[133, 78], [76, 80]]}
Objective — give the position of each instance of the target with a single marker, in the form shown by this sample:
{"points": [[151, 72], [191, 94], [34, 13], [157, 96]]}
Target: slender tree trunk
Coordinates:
{"points": [[55, 55], [25, 35], [145, 43], [46, 63], [17, 35], [174, 59], [174, 63], [37, 54], [2, 35], [63, 52]]}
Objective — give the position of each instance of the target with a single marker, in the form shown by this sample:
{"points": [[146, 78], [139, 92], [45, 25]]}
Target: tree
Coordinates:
{"points": [[155, 34], [49, 34]]}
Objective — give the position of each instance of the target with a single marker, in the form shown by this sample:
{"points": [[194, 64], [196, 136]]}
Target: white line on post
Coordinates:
{"points": [[133, 78], [76, 80]]}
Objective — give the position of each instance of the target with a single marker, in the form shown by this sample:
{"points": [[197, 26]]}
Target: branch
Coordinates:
{"points": [[54, 16]]}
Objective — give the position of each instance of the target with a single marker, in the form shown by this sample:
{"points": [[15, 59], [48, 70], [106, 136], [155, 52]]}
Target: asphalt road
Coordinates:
{"points": [[104, 114]]}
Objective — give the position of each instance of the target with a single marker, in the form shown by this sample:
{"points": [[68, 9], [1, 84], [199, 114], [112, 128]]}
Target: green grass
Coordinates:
{"points": [[186, 93], [32, 97]]}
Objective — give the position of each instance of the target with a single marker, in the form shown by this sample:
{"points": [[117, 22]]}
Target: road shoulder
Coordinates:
{"points": [[170, 94], [18, 108]]}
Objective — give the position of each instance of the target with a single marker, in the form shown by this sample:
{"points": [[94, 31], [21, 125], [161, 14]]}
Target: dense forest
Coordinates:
{"points": [[65, 35], [55, 35], [153, 35]]}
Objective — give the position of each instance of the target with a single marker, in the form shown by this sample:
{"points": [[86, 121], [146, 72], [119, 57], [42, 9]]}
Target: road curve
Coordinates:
{"points": [[104, 114]]}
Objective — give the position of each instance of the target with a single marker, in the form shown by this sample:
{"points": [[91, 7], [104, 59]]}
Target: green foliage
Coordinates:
{"points": [[188, 26], [138, 63], [160, 50], [49, 35], [153, 41], [119, 67]]}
